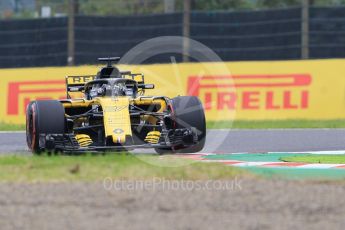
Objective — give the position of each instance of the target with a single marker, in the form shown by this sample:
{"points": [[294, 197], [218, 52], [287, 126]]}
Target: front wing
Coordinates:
{"points": [[68, 143]]}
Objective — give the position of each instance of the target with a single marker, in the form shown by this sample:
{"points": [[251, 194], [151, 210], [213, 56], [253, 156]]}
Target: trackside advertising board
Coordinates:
{"points": [[231, 90]]}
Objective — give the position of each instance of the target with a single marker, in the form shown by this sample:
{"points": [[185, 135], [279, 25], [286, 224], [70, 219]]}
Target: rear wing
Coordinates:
{"points": [[76, 83], [134, 76], [138, 77]]}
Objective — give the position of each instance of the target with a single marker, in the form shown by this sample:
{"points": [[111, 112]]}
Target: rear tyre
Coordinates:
{"points": [[187, 112], [43, 117]]}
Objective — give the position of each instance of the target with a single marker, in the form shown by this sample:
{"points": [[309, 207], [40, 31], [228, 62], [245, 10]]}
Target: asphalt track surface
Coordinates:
{"points": [[233, 141]]}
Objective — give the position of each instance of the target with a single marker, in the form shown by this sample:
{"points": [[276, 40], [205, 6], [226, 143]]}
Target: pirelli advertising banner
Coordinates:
{"points": [[231, 90]]}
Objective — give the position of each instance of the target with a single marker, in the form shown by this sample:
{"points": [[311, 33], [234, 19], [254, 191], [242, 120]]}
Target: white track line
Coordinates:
{"points": [[319, 166], [10, 132], [279, 129], [336, 152], [248, 164]]}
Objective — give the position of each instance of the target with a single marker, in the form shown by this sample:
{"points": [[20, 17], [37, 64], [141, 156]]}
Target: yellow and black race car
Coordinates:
{"points": [[115, 115]]}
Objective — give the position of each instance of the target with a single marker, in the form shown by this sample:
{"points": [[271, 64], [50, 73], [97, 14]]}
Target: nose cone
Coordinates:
{"points": [[117, 123]]}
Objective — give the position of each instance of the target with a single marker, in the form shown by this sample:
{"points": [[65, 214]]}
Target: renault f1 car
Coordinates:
{"points": [[114, 114]]}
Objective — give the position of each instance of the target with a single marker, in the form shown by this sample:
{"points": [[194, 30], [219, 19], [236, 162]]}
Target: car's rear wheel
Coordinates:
{"points": [[187, 112], [43, 117]]}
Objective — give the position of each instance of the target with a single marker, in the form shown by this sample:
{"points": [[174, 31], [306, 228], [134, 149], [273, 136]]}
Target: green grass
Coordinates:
{"points": [[117, 166], [11, 127], [316, 158], [277, 124], [241, 124]]}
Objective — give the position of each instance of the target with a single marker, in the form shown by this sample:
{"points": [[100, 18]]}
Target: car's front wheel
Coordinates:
{"points": [[187, 112], [43, 117]]}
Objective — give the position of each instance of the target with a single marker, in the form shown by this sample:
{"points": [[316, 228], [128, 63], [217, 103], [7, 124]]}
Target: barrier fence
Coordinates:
{"points": [[242, 35], [265, 90]]}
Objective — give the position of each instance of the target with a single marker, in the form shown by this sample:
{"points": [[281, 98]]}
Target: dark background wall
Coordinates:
{"points": [[243, 35]]}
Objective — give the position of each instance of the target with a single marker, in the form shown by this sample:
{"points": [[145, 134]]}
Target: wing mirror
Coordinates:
{"points": [[146, 86]]}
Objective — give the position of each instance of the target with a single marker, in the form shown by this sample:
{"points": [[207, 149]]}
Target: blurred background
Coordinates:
{"points": [[74, 32]]}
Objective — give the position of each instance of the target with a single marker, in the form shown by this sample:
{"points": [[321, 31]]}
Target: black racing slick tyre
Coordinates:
{"points": [[43, 117], [187, 112]]}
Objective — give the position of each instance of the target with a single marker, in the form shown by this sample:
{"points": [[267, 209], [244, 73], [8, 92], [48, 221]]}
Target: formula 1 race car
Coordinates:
{"points": [[115, 115]]}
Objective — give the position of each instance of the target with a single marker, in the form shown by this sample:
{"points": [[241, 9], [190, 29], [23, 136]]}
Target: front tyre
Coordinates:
{"points": [[43, 117], [187, 112]]}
